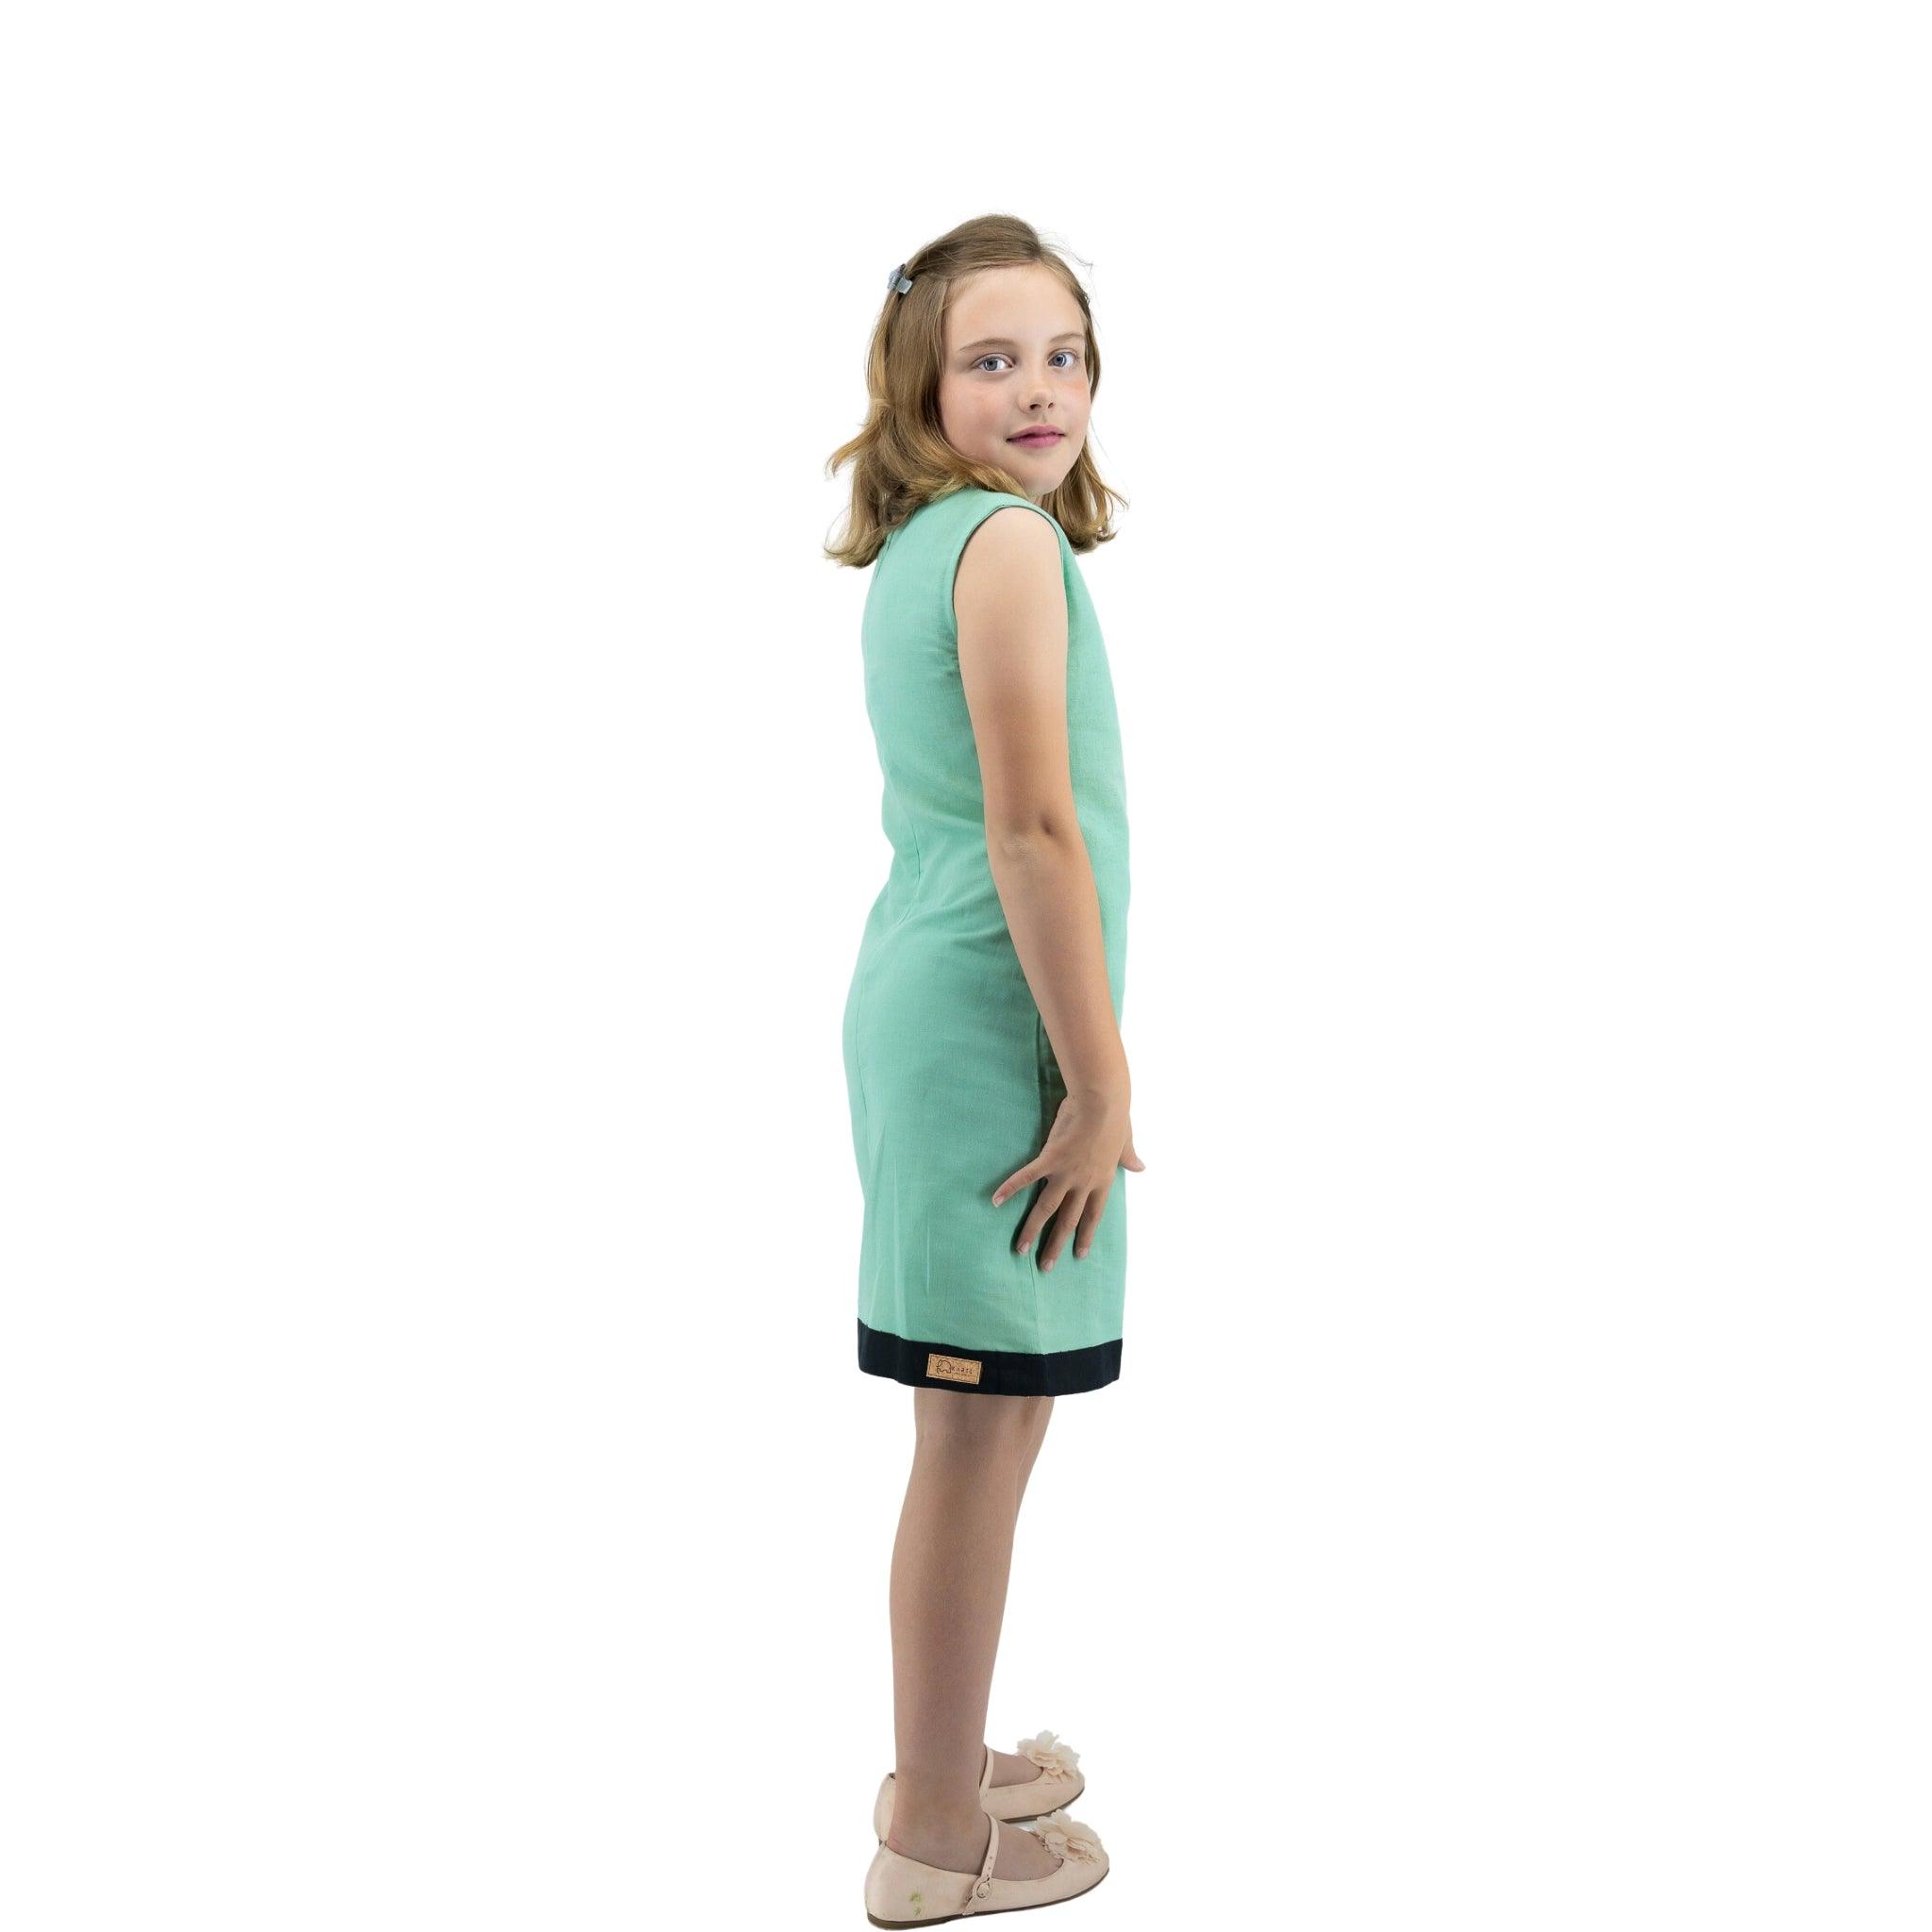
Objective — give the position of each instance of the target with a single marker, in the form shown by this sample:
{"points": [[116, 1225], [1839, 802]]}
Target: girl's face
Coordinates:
{"points": [[1016, 361]]}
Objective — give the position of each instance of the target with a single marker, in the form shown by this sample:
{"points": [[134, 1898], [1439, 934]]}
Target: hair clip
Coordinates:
{"points": [[899, 279]]}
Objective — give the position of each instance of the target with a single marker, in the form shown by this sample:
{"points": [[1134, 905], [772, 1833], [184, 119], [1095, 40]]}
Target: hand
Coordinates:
{"points": [[1089, 1141]]}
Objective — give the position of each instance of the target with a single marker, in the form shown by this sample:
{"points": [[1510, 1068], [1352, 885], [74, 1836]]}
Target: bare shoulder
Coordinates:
{"points": [[1010, 568], [1010, 598]]}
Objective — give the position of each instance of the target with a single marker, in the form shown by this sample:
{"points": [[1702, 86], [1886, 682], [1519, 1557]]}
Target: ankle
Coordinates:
{"points": [[928, 1816], [952, 1844]]}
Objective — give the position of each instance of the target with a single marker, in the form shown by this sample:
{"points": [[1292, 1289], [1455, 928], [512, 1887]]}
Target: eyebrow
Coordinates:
{"points": [[1072, 335]]}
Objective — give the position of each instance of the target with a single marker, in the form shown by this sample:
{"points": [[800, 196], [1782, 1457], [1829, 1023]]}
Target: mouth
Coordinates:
{"points": [[1038, 439]]}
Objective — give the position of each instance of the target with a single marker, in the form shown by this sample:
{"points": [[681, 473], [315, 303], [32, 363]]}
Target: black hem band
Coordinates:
{"points": [[984, 1371]]}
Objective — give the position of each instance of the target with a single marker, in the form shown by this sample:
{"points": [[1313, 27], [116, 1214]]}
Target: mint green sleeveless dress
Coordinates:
{"points": [[952, 1079]]}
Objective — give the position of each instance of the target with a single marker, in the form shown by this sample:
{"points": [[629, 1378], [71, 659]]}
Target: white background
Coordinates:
{"points": [[437, 817]]}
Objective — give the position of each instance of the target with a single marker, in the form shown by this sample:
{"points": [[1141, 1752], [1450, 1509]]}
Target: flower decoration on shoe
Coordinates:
{"points": [[1069, 1838], [1054, 1758]]}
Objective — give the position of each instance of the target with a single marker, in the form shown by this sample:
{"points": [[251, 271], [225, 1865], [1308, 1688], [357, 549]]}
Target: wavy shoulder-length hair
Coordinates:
{"points": [[901, 459]]}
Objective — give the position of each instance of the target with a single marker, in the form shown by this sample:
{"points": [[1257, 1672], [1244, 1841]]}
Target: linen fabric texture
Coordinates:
{"points": [[952, 1081]]}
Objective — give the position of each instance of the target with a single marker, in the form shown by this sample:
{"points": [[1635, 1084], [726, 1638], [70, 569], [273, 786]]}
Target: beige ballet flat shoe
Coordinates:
{"points": [[902, 1891], [1057, 1785]]}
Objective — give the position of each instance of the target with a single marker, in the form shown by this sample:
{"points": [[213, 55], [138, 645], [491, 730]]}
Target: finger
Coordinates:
{"points": [[1042, 1208], [1026, 1177], [1071, 1204], [1090, 1222]]}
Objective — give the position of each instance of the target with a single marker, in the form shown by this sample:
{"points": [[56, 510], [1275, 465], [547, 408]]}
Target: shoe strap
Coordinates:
{"points": [[986, 1771], [982, 1886]]}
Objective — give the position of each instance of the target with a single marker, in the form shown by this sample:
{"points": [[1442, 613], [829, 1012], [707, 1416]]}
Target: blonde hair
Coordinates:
{"points": [[901, 459]]}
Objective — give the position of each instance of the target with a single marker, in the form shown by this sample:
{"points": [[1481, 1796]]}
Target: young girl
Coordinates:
{"points": [[987, 1083]]}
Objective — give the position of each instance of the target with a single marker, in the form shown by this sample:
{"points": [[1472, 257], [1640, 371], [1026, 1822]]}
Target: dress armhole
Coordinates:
{"points": [[978, 516]]}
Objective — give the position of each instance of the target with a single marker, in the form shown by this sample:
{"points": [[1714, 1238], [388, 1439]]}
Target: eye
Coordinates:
{"points": [[995, 357]]}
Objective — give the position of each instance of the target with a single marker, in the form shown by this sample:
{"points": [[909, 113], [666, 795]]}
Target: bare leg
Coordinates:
{"points": [[1042, 1414], [972, 1456], [1008, 1767]]}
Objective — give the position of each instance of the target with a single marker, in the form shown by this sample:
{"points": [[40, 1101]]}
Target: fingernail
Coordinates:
{"points": [[1025, 1245]]}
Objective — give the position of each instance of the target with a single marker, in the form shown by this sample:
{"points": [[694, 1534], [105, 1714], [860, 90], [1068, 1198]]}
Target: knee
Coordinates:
{"points": [[952, 1422]]}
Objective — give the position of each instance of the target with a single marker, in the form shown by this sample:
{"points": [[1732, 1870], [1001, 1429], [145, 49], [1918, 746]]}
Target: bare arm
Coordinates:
{"points": [[1010, 601]]}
